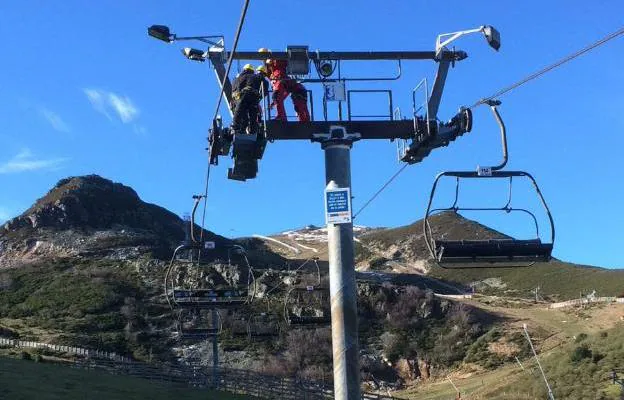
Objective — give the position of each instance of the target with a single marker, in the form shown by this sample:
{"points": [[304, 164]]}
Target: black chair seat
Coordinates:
{"points": [[198, 333], [492, 250], [264, 334], [209, 298], [295, 320]]}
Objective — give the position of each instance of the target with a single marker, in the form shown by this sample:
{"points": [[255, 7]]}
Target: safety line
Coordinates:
{"points": [[227, 72], [385, 185]]}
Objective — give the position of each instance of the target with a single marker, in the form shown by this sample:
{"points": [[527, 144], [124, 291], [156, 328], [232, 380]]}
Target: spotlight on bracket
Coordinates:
{"points": [[194, 54], [161, 32], [326, 68], [491, 35]]}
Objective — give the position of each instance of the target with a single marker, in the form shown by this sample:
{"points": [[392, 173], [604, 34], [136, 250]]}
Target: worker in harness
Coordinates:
{"points": [[246, 91], [283, 85]]}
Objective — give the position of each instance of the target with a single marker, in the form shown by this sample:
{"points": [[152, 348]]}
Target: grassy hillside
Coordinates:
{"points": [[578, 348], [95, 304], [558, 280], [579, 371], [20, 379]]}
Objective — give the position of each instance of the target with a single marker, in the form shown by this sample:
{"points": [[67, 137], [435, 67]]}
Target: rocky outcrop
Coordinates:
{"points": [[92, 216], [93, 202]]}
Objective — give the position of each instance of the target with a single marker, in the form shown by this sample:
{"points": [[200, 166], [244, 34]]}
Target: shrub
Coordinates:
{"points": [[596, 357], [24, 355], [580, 353], [393, 345]]}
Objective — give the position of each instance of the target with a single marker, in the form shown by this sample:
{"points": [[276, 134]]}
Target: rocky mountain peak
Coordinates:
{"points": [[93, 202]]}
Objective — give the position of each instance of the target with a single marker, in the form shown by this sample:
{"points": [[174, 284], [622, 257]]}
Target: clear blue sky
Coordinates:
{"points": [[84, 90]]}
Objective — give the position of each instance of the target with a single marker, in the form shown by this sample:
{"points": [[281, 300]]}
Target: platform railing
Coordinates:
{"points": [[351, 116]]}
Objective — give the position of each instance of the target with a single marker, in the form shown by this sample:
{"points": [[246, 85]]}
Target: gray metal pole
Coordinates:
{"points": [[551, 396], [343, 289], [215, 351]]}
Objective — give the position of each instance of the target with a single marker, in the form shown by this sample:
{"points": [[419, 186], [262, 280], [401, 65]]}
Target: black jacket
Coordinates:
{"points": [[251, 80]]}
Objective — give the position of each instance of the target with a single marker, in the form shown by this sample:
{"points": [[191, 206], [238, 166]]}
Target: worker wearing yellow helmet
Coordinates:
{"points": [[268, 61], [246, 93], [262, 69]]}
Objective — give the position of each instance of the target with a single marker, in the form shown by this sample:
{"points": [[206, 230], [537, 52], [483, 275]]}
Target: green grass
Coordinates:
{"points": [[27, 380], [87, 303], [578, 370], [577, 374], [557, 280]]}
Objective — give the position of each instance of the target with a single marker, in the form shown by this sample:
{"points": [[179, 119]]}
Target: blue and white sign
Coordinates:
{"points": [[334, 91], [338, 206]]}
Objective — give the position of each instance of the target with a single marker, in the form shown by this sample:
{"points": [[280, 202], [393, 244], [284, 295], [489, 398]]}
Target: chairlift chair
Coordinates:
{"points": [[300, 271], [307, 307], [264, 326], [195, 324], [211, 297], [500, 252], [239, 327]]}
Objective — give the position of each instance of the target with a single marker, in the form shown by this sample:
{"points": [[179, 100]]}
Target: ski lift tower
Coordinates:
{"points": [[419, 135]]}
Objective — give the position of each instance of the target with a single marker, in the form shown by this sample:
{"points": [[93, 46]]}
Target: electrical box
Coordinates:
{"points": [[298, 60], [335, 91]]}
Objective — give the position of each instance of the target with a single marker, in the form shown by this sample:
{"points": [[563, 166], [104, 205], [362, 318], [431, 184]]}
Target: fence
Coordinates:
{"points": [[79, 351], [245, 382], [578, 302]]}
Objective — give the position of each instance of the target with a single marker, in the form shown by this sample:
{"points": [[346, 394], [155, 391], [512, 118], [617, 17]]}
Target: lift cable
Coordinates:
{"points": [[505, 91], [227, 72], [377, 193], [550, 67]]}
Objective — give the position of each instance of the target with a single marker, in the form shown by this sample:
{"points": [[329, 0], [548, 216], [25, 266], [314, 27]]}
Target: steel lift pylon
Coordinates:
{"points": [[421, 133]]}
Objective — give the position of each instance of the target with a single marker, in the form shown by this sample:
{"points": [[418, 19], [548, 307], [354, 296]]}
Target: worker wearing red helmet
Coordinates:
{"points": [[283, 85]]}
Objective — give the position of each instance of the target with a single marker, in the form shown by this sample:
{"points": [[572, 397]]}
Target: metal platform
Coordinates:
{"points": [[293, 130]]}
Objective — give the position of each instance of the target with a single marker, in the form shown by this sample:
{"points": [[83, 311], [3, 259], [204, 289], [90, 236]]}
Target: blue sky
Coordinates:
{"points": [[84, 90]]}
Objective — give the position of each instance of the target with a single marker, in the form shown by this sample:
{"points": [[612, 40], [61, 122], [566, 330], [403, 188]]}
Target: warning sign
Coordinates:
{"points": [[338, 206]]}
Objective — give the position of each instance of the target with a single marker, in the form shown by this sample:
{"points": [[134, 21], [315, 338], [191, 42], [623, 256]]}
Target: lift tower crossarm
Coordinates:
{"points": [[345, 55], [217, 57]]}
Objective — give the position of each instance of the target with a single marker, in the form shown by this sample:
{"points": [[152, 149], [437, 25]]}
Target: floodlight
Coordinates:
{"points": [[194, 54], [492, 36], [326, 68], [161, 32]]}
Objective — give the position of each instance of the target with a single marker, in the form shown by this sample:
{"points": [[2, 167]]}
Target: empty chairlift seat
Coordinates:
{"points": [[502, 252], [307, 307], [210, 298], [264, 326], [197, 324], [492, 250]]}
